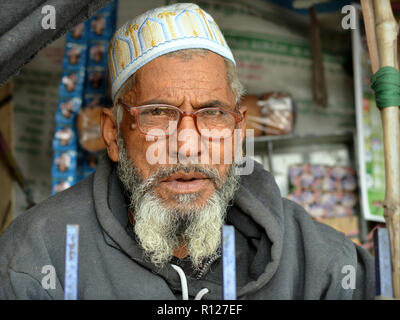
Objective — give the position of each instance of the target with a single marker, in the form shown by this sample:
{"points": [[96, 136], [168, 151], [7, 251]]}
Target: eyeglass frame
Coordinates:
{"points": [[237, 116]]}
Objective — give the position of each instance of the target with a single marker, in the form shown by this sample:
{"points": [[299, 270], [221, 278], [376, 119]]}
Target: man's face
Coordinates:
{"points": [[183, 202], [189, 84]]}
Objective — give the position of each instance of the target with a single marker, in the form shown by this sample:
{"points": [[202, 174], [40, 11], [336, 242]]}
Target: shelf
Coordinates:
{"points": [[302, 142], [296, 139]]}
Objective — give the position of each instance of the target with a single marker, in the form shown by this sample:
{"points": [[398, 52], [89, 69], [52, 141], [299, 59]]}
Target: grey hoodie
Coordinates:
{"points": [[281, 253]]}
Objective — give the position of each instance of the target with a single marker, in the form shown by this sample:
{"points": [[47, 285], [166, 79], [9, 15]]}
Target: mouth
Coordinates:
{"points": [[185, 182]]}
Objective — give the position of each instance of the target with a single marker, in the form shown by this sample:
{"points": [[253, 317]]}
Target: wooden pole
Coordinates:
{"points": [[385, 47]]}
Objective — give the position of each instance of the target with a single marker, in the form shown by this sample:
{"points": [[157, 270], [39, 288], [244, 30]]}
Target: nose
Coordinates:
{"points": [[188, 141], [187, 123]]}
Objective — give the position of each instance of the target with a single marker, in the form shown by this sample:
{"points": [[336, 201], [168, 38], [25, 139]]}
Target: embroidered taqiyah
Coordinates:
{"points": [[160, 31]]}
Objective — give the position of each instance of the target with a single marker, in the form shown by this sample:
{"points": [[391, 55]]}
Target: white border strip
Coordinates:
{"points": [[71, 262]]}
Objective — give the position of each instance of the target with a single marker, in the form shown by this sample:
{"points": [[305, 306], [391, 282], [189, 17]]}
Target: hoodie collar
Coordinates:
{"points": [[259, 197]]}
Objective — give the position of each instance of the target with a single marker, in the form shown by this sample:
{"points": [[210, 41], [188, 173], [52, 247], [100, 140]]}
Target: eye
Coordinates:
{"points": [[212, 112], [158, 111]]}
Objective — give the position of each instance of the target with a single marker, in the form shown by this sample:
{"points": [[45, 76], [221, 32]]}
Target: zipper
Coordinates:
{"points": [[208, 264]]}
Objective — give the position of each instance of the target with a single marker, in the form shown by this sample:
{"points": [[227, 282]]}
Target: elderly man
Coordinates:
{"points": [[150, 217]]}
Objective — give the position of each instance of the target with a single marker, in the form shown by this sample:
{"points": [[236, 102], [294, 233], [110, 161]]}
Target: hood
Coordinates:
{"points": [[258, 198]]}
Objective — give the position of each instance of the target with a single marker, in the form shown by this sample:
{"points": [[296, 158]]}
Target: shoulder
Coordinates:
{"points": [[316, 236], [41, 229], [332, 254], [60, 207], [296, 214]]}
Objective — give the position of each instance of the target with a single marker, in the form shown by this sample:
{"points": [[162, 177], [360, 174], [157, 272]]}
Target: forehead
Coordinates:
{"points": [[176, 78]]}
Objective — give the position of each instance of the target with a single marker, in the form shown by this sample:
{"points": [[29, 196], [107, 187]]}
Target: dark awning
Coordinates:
{"points": [[21, 32]]}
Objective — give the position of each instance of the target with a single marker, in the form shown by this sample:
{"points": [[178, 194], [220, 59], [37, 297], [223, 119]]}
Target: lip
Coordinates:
{"points": [[184, 176], [185, 182]]}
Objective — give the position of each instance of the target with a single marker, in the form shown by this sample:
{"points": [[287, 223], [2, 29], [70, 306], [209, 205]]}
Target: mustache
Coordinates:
{"points": [[164, 172]]}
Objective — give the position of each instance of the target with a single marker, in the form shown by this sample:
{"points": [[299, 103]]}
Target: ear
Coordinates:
{"points": [[109, 131]]}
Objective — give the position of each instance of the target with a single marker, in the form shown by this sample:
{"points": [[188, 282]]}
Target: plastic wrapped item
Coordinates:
{"points": [[98, 53], [98, 25], [323, 178], [327, 200], [272, 113], [254, 119], [349, 182], [88, 125], [339, 172], [67, 110], [318, 171], [64, 163], [78, 34], [325, 204], [102, 23], [64, 138], [96, 80], [75, 56], [61, 184], [72, 83]]}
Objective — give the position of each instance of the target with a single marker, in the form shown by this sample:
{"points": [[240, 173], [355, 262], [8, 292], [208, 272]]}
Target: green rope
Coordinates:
{"points": [[386, 85]]}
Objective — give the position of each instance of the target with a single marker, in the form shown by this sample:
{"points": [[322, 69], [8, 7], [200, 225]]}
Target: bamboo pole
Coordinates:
{"points": [[369, 23], [385, 47]]}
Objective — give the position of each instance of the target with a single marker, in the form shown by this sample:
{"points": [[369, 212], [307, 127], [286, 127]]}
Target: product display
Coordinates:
{"points": [[271, 113], [324, 191], [82, 94]]}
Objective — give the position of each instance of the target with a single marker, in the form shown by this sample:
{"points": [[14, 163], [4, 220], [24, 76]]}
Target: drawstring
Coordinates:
{"points": [[201, 293], [184, 286]]}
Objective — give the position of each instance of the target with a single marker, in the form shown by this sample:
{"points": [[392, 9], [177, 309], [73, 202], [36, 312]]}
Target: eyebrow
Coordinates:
{"points": [[152, 101], [208, 104], [214, 104]]}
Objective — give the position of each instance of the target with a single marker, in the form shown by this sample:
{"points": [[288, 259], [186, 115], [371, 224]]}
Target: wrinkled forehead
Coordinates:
{"points": [[170, 79]]}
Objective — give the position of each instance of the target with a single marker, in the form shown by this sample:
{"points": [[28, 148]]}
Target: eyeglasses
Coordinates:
{"points": [[162, 120]]}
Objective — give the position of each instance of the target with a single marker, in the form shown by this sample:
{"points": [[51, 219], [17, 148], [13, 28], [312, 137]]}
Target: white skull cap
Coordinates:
{"points": [[160, 31]]}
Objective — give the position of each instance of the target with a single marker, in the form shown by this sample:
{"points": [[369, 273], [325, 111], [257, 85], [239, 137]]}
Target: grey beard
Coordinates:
{"points": [[160, 229]]}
